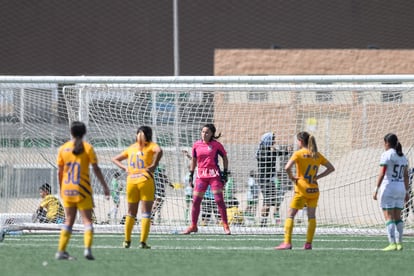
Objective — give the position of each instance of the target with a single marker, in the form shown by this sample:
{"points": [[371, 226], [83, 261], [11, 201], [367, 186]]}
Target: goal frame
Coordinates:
{"points": [[278, 84]]}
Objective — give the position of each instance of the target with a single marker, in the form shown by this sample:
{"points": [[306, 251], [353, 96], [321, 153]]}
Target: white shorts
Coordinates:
{"points": [[392, 197]]}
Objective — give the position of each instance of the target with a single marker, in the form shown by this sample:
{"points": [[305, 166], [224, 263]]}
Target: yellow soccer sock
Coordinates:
{"points": [[145, 229], [288, 230], [64, 238], [311, 230], [88, 236], [129, 225]]}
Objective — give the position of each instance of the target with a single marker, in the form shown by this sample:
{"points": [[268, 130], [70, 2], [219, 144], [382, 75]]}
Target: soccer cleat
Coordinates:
{"points": [[88, 254], [390, 247], [399, 246], [283, 246], [191, 229], [143, 245], [89, 257], [307, 246], [126, 244], [227, 229], [64, 256]]}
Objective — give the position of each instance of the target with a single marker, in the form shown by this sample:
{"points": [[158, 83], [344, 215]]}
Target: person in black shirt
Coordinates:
{"points": [[267, 158]]}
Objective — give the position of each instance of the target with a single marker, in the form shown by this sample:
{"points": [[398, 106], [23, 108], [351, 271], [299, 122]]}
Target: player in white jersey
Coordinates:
{"points": [[392, 185]]}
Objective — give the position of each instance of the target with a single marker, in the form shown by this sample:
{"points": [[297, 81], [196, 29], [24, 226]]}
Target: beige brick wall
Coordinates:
{"points": [[309, 62]]}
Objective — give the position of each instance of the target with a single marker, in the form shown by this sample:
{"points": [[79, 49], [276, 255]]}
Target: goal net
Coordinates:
{"points": [[348, 115]]}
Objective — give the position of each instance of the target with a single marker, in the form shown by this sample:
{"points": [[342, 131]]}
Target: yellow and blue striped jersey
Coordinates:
{"points": [[306, 170], [76, 183], [53, 207]]}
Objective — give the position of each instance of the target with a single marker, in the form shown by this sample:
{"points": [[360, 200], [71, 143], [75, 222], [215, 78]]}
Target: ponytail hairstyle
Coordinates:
{"points": [[308, 141], [212, 128], [392, 140], [78, 130], [144, 135]]}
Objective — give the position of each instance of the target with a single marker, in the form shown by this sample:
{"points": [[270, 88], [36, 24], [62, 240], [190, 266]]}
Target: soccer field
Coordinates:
{"points": [[33, 254]]}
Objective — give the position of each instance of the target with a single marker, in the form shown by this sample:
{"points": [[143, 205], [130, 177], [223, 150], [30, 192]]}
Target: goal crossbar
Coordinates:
{"points": [[211, 79]]}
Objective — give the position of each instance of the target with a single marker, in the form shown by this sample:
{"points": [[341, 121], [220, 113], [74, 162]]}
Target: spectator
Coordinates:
{"points": [[266, 156], [252, 195], [161, 181], [116, 189]]}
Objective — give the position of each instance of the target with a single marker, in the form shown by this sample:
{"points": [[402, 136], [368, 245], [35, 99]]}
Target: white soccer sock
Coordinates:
{"points": [[399, 232], [390, 226]]}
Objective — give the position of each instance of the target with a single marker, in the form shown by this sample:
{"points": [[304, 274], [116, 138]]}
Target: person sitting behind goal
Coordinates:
{"points": [[50, 209], [235, 215]]}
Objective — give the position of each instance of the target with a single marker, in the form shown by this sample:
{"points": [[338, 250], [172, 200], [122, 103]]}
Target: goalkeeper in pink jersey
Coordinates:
{"points": [[205, 154]]}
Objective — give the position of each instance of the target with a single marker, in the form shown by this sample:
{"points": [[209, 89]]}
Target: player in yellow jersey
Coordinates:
{"points": [[307, 160], [142, 159], [50, 209], [74, 158]]}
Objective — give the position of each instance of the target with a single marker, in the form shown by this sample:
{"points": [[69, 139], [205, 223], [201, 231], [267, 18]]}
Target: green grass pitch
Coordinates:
{"points": [[209, 255]]}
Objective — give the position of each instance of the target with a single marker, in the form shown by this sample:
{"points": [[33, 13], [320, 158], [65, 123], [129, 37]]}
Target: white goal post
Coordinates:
{"points": [[348, 114]]}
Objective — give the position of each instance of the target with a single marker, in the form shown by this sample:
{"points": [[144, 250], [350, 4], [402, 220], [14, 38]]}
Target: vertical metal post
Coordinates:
{"points": [[176, 39], [176, 95]]}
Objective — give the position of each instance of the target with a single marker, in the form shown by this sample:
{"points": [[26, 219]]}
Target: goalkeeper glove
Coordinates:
{"points": [[191, 178], [224, 176]]}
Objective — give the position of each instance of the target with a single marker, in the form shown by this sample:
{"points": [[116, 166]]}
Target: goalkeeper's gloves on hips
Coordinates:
{"points": [[191, 179], [224, 176]]}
